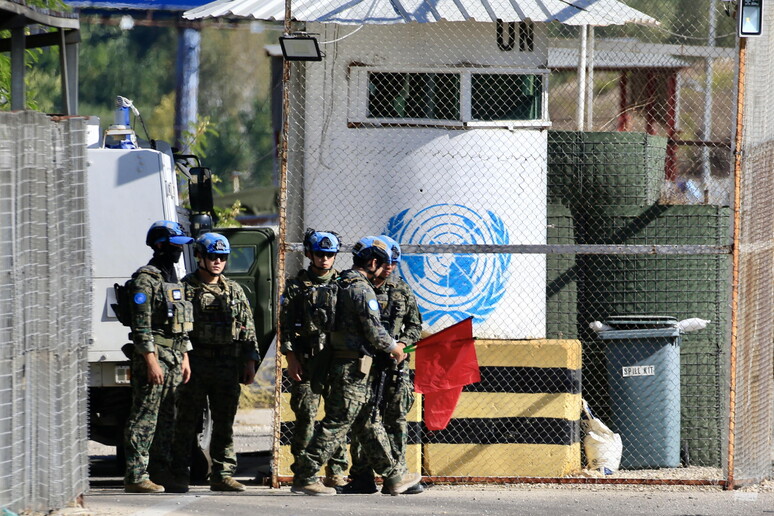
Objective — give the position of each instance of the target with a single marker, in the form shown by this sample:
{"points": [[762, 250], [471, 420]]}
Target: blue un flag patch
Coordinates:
{"points": [[140, 298]]}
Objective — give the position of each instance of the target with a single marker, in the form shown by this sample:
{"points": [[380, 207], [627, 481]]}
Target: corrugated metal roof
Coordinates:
{"points": [[567, 58], [570, 12]]}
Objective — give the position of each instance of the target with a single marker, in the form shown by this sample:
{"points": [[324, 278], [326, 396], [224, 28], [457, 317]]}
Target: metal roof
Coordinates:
{"points": [[567, 58], [570, 12], [12, 10], [136, 5]]}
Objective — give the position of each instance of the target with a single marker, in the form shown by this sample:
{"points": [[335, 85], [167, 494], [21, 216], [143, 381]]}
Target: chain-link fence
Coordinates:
{"points": [[752, 365], [565, 176], [44, 313]]}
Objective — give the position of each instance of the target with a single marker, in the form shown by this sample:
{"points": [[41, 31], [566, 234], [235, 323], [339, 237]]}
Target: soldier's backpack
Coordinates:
{"points": [[123, 305], [321, 305]]}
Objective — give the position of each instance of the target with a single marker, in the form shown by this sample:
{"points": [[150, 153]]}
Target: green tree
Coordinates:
{"points": [[234, 93], [31, 59]]}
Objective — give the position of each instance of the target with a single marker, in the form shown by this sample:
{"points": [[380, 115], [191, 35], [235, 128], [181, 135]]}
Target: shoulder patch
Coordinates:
{"points": [[373, 305], [140, 298]]}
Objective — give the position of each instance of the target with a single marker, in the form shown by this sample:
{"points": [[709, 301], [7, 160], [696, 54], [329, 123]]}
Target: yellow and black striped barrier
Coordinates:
{"points": [[521, 420]]}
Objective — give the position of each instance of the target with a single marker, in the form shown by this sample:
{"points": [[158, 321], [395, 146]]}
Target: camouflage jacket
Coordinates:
{"points": [[222, 315], [399, 312], [358, 323], [158, 311], [294, 331]]}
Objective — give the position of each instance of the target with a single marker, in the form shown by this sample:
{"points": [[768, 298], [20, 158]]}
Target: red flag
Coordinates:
{"points": [[445, 362]]}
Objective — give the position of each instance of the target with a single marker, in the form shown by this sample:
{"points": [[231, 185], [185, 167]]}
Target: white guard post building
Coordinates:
{"points": [[427, 121]]}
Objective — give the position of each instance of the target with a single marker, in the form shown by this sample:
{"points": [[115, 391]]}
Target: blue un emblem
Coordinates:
{"points": [[453, 287]]}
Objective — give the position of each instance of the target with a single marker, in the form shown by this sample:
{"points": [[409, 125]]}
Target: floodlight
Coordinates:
{"points": [[750, 18], [300, 48]]}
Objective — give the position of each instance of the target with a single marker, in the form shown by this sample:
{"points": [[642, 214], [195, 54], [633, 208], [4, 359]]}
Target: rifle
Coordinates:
{"points": [[382, 365]]}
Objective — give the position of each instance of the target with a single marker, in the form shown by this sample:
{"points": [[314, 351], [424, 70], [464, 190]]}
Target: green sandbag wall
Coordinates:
{"points": [[680, 286]]}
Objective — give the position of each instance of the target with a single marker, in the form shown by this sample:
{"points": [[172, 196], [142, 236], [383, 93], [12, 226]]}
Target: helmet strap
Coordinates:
{"points": [[208, 271]]}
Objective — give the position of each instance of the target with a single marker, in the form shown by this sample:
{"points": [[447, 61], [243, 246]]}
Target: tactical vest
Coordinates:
{"points": [[216, 323], [179, 314], [179, 311], [317, 306], [394, 309]]}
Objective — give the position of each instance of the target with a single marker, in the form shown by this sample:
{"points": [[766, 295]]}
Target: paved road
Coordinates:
{"points": [[448, 500], [106, 496]]}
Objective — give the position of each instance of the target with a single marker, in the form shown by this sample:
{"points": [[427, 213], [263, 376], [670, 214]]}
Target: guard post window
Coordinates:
{"points": [[431, 96], [497, 97], [505, 97]]}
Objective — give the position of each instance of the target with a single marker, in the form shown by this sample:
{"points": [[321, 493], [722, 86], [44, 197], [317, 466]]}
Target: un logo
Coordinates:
{"points": [[452, 286]]}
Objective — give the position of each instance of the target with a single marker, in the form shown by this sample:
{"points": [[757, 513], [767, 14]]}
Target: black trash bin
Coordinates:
{"points": [[643, 373]]}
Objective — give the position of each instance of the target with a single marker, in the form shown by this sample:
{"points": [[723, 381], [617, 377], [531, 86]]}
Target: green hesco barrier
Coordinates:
{"points": [[609, 184], [681, 286], [561, 276], [605, 168]]}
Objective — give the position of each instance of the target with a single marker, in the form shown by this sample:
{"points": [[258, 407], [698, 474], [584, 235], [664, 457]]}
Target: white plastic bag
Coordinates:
{"points": [[603, 446]]}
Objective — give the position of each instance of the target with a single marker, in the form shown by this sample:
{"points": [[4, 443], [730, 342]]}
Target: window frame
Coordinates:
{"points": [[357, 112]]}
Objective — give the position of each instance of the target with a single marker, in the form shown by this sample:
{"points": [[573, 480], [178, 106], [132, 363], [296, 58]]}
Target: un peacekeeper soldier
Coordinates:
{"points": [[357, 337], [402, 320], [225, 353], [302, 342], [161, 319]]}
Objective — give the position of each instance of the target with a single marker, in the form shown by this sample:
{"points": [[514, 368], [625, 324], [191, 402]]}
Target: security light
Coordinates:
{"points": [[300, 48], [750, 18]]}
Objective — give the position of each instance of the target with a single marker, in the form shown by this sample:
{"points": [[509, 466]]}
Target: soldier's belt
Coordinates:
{"points": [[217, 352], [346, 354], [164, 342]]}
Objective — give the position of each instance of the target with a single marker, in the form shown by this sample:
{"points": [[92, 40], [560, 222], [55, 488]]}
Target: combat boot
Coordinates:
{"points": [[334, 481], [360, 485], [316, 489], [411, 490], [398, 485], [227, 484], [146, 486], [172, 483]]}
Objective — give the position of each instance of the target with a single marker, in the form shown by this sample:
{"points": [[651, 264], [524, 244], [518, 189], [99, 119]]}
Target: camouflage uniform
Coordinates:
{"points": [[402, 320], [160, 320], [300, 336], [223, 337], [359, 331]]}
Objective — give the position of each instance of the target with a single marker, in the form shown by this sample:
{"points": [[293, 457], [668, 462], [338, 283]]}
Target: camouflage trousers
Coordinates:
{"points": [[305, 405], [216, 380], [345, 409], [399, 398], [150, 428]]}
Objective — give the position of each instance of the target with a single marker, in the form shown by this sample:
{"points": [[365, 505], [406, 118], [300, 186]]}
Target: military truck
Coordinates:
{"points": [[131, 184]]}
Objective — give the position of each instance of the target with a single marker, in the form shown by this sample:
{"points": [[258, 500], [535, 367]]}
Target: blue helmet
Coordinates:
{"points": [[212, 243], [370, 247], [394, 248], [323, 241], [167, 231]]}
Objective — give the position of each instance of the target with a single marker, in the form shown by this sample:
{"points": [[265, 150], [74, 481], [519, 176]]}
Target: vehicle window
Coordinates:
{"points": [[241, 259]]}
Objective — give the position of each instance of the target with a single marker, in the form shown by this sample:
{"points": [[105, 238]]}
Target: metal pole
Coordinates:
{"points": [[735, 261], [281, 254], [65, 74], [580, 111], [590, 80], [18, 43], [186, 99], [707, 120]]}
